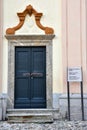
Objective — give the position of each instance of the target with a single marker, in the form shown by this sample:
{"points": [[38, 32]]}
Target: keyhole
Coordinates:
{"points": [[31, 77]]}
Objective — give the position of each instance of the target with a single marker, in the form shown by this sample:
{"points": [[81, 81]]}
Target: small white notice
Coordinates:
{"points": [[74, 74]]}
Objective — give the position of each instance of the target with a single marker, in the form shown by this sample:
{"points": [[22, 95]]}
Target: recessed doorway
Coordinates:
{"points": [[30, 77]]}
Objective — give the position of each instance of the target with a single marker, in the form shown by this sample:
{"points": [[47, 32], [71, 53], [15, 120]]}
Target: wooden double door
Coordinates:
{"points": [[30, 77]]}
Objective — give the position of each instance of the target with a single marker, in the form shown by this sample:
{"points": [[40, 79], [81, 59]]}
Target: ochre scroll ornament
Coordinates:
{"points": [[29, 10]]}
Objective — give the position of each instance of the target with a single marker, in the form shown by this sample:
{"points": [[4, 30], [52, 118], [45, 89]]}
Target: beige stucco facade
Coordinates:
{"points": [[1, 31], [74, 38], [12, 20], [68, 19]]}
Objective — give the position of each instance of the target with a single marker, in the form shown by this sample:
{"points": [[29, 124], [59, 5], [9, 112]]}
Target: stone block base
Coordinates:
{"points": [[75, 106], [29, 115]]}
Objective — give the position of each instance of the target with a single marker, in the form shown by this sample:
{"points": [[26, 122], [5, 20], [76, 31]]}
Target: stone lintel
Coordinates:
{"points": [[30, 37]]}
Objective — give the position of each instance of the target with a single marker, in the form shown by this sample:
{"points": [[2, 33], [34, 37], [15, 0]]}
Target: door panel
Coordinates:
{"points": [[38, 83], [22, 93], [22, 81], [30, 77]]}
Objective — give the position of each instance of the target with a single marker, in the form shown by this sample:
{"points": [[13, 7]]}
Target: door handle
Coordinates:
{"points": [[26, 74], [33, 74], [36, 74]]}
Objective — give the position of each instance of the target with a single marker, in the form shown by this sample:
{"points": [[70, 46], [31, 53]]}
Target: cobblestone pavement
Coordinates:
{"points": [[56, 125]]}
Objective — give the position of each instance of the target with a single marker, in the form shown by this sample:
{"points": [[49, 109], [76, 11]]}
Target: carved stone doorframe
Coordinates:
{"points": [[29, 40]]}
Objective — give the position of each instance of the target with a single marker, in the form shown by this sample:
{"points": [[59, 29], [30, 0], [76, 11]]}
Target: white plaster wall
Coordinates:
{"points": [[51, 17]]}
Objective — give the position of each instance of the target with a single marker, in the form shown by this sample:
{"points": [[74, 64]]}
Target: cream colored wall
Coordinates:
{"points": [[68, 18], [51, 17], [1, 45], [74, 40]]}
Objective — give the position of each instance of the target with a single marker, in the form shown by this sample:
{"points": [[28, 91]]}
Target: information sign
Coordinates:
{"points": [[74, 74]]}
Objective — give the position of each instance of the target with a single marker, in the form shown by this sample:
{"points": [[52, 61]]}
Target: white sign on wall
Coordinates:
{"points": [[74, 74]]}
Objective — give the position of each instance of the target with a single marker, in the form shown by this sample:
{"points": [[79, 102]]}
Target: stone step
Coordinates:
{"points": [[29, 110], [29, 115]]}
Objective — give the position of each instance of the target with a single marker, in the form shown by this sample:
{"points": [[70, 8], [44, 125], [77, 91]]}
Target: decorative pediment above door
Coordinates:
{"points": [[29, 11]]}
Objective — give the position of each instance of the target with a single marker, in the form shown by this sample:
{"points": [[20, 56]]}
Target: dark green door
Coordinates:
{"points": [[30, 77]]}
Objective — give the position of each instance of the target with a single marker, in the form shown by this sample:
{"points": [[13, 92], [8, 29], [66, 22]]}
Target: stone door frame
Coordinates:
{"points": [[29, 40]]}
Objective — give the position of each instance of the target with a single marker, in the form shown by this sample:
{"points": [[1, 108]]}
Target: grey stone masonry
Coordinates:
{"points": [[75, 106], [3, 106]]}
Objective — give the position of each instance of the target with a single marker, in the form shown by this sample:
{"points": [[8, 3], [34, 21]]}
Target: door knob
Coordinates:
{"points": [[31, 77]]}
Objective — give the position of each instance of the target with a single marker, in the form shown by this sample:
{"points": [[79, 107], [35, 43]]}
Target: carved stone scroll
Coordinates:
{"points": [[29, 10]]}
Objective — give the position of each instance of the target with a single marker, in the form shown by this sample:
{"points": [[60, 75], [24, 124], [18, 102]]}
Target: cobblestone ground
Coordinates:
{"points": [[56, 125]]}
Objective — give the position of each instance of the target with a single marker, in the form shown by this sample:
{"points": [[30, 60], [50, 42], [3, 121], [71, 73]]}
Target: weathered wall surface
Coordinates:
{"points": [[68, 18], [1, 28], [74, 40]]}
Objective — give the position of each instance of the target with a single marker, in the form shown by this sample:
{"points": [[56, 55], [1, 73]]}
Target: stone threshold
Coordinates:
{"points": [[29, 115]]}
